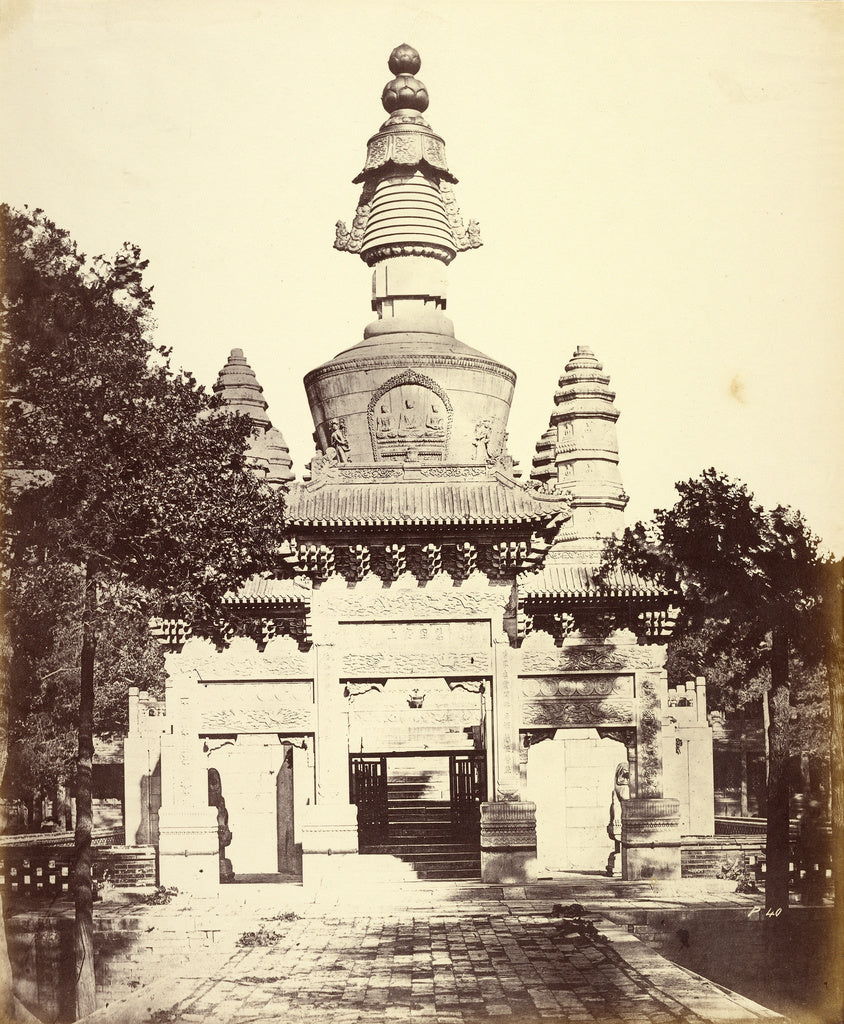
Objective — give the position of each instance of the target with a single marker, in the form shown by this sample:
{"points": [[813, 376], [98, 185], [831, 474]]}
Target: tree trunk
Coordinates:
{"points": [[83, 892], [777, 845], [7, 999], [835, 680]]}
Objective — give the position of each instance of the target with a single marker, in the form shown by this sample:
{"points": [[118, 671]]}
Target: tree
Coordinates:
{"points": [[736, 683], [45, 638], [118, 466], [759, 574]]}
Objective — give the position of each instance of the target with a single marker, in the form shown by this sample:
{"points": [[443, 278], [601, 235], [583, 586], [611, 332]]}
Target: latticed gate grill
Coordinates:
{"points": [[368, 789], [467, 778]]}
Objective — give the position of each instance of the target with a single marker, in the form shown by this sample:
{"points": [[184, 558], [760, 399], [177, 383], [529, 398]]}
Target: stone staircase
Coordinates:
{"points": [[421, 834]]}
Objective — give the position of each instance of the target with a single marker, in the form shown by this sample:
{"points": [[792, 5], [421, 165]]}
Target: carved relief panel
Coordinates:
{"points": [[415, 648], [410, 413], [415, 714], [577, 700], [256, 707]]}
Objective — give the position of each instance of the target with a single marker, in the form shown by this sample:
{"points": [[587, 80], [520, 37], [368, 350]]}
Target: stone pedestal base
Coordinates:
{"points": [[508, 842], [650, 838], [189, 850], [329, 839]]}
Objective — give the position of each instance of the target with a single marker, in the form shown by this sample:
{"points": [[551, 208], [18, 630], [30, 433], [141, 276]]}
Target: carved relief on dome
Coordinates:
{"points": [[409, 414]]}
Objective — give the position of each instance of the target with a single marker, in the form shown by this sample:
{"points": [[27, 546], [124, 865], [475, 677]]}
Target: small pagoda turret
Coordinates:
{"points": [[239, 391]]}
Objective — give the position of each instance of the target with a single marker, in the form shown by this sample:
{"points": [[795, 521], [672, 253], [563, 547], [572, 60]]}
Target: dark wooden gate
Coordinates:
{"points": [[368, 789], [467, 778]]}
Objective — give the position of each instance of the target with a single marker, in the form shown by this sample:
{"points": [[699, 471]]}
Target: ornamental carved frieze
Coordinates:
{"points": [[588, 658], [257, 708], [415, 634], [584, 712], [592, 685], [417, 663], [508, 824], [409, 412], [430, 360], [487, 602], [458, 472], [280, 659], [417, 717], [405, 148]]}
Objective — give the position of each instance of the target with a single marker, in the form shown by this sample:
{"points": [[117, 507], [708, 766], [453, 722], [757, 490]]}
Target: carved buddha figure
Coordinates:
{"points": [[385, 422], [435, 420], [409, 418]]}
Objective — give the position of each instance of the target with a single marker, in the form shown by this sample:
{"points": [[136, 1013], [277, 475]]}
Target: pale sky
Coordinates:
{"points": [[661, 181]]}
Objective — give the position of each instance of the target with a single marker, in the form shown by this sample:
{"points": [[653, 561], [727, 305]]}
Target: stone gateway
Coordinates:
{"points": [[434, 675]]}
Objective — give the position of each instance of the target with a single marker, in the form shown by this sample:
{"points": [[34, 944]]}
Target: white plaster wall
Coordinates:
{"points": [[688, 776], [248, 771], [141, 788], [570, 778]]}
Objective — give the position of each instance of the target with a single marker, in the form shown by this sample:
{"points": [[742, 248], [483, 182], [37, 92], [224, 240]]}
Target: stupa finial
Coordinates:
{"points": [[407, 206], [404, 92]]}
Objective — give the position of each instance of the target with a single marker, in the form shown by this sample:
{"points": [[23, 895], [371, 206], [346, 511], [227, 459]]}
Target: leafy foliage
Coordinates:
{"points": [[760, 602], [117, 467], [743, 571], [43, 618], [117, 460]]}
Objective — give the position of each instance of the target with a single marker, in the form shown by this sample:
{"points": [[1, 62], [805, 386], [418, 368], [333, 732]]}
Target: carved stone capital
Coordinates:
{"points": [[508, 825]]}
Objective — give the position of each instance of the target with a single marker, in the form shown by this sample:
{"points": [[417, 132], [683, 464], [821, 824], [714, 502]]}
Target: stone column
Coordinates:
{"points": [[508, 824], [332, 760], [650, 823], [188, 848], [329, 827], [135, 770]]}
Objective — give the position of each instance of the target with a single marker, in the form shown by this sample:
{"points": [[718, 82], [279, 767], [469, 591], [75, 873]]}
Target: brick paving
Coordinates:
{"points": [[448, 954]]}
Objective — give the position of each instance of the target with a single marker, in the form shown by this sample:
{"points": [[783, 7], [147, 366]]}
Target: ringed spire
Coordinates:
{"points": [[407, 205]]}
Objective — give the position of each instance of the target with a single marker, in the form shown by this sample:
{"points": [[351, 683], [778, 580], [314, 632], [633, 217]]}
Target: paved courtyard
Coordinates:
{"points": [[447, 953]]}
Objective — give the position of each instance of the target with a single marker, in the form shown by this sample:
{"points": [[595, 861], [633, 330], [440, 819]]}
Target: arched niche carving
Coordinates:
{"points": [[409, 419]]}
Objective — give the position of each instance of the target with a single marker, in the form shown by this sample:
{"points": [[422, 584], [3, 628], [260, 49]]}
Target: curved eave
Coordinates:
{"points": [[392, 166], [421, 521], [597, 595], [269, 593], [496, 501], [573, 582]]}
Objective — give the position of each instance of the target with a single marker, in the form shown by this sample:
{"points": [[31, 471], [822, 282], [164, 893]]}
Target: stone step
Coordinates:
{"points": [[405, 801], [420, 814], [449, 872], [443, 865], [426, 851]]}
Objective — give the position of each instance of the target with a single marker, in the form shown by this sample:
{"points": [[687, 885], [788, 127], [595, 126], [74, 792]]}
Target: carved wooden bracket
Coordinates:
{"points": [[471, 685], [355, 689], [530, 737]]}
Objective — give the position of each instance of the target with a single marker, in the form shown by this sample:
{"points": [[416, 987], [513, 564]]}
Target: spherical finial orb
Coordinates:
{"points": [[404, 93], [404, 60]]}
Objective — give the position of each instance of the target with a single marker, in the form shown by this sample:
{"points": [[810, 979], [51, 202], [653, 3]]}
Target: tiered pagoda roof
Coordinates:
{"points": [[569, 580], [420, 495]]}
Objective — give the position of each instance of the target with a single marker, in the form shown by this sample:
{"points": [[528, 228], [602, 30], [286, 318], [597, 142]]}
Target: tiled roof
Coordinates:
{"points": [[270, 591], [573, 580], [481, 501]]}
